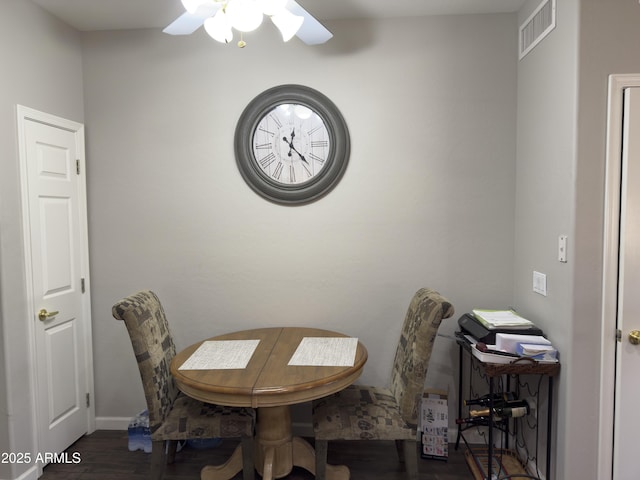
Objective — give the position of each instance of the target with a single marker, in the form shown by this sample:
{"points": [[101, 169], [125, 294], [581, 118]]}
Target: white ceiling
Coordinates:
{"points": [[86, 15]]}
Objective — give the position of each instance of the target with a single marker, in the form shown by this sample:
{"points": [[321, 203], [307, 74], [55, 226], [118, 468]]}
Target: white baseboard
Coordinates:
{"points": [[31, 474], [301, 429], [112, 423]]}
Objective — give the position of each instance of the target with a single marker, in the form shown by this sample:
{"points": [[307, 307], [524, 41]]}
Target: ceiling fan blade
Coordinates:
{"points": [[312, 31], [187, 23]]}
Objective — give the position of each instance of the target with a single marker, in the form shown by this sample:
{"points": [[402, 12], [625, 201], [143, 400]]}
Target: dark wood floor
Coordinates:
{"points": [[104, 455]]}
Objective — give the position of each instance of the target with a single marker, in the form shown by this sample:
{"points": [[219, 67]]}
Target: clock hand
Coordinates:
{"points": [[285, 140], [292, 148], [299, 154]]}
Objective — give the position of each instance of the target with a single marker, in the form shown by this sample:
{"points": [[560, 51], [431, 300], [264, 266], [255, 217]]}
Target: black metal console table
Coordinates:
{"points": [[503, 374]]}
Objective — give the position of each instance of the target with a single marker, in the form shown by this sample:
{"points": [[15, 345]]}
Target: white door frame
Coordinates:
{"points": [[617, 84], [28, 114]]}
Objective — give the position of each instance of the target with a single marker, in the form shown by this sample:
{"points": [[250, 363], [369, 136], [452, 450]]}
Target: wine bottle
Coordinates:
{"points": [[514, 409], [479, 421], [486, 399]]}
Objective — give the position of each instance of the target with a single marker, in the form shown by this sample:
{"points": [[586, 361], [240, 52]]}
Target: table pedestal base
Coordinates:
{"points": [[227, 470], [276, 451]]}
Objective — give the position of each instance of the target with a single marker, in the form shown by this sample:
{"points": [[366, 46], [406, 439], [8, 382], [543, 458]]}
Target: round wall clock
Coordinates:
{"points": [[291, 144]]}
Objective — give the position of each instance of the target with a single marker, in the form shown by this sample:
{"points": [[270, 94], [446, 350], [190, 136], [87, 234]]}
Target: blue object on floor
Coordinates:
{"points": [[203, 443], [139, 433]]}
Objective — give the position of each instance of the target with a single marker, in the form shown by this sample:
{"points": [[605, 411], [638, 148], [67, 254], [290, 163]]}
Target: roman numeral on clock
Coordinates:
{"points": [[268, 132], [316, 157], [276, 120], [268, 160], [278, 171]]}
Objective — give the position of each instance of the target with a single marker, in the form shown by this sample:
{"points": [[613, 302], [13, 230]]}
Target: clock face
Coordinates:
{"points": [[291, 144]]}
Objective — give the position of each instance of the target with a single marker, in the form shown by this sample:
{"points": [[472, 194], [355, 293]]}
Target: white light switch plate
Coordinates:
{"points": [[562, 248], [540, 283]]}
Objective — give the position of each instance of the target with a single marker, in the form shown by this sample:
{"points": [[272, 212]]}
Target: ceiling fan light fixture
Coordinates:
{"points": [[287, 23], [244, 15], [219, 28], [247, 15]]}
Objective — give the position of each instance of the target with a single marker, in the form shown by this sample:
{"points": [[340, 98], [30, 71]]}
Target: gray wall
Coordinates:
{"points": [[545, 204], [447, 207], [562, 102], [41, 69], [427, 199]]}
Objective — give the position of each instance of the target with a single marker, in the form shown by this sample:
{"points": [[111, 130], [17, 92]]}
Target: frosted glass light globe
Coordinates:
{"points": [[244, 15], [218, 27], [287, 23]]}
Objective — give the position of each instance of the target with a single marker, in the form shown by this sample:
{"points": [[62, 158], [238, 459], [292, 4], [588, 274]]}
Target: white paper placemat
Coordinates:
{"points": [[221, 354], [325, 352]]}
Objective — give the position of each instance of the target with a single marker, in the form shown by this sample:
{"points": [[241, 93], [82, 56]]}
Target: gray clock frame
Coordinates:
{"points": [[336, 162]]}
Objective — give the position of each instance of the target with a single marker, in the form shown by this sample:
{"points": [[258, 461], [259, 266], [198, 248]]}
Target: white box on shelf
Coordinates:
{"points": [[508, 342]]}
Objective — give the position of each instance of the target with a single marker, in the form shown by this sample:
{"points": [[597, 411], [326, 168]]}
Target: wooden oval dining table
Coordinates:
{"points": [[271, 385]]}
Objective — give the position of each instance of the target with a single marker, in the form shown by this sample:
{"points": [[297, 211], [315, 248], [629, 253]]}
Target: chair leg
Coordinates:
{"points": [[172, 446], [158, 459], [248, 467], [400, 450], [411, 459], [321, 459]]}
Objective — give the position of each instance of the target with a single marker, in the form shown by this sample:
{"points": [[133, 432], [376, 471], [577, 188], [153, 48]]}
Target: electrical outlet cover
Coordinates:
{"points": [[540, 283]]}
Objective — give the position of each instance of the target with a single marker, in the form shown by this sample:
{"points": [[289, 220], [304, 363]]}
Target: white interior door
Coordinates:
{"points": [[627, 387], [52, 151]]}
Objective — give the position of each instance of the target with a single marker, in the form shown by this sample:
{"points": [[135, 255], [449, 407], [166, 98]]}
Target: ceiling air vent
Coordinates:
{"points": [[537, 26]]}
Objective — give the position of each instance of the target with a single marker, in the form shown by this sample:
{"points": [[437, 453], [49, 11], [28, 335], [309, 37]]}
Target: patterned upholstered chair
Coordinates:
{"points": [[386, 413], [172, 415]]}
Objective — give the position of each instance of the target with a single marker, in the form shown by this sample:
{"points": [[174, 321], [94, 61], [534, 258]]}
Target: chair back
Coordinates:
{"points": [[427, 309], [153, 347]]}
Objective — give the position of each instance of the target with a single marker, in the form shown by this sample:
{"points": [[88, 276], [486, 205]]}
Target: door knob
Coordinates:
{"points": [[43, 315], [634, 337]]}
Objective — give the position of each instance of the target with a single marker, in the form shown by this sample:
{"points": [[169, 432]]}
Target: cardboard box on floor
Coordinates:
{"points": [[434, 424]]}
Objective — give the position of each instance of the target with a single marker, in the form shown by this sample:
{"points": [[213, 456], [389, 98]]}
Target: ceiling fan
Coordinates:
{"points": [[220, 17]]}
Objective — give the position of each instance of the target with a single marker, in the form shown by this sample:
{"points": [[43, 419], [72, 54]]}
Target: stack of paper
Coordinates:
{"points": [[325, 351], [537, 352], [501, 319], [221, 354]]}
